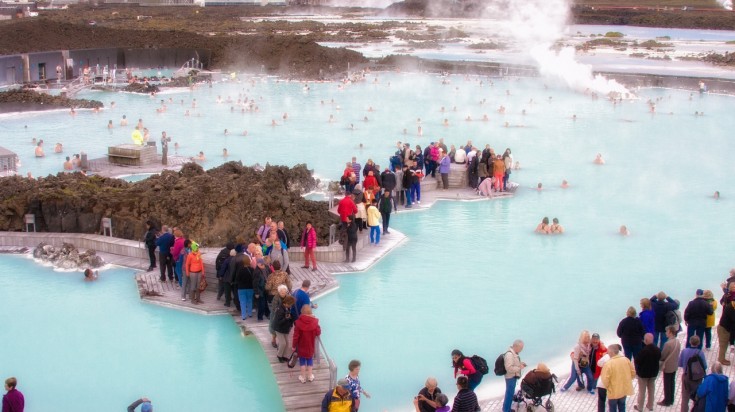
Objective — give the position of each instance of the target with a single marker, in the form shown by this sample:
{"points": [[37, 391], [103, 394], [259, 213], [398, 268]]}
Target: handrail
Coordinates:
{"points": [[330, 362]]}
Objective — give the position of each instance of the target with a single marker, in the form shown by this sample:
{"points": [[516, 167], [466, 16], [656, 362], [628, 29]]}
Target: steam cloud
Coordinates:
{"points": [[535, 25], [726, 4]]}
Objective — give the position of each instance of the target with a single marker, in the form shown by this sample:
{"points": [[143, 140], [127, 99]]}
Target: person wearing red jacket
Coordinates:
{"points": [[346, 207], [308, 245], [371, 183], [306, 330]]}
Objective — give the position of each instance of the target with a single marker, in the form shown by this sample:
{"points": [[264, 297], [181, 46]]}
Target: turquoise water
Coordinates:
{"points": [[472, 275], [95, 346]]}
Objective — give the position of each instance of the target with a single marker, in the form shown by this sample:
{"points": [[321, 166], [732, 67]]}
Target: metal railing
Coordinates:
{"points": [[75, 86], [332, 366]]}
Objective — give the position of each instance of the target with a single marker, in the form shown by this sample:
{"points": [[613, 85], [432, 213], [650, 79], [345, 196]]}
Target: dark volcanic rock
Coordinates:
{"points": [[14, 100], [144, 88], [212, 206], [68, 256]]}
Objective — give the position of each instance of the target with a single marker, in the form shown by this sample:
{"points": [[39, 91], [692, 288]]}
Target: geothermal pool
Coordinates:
{"points": [[73, 343], [472, 276]]}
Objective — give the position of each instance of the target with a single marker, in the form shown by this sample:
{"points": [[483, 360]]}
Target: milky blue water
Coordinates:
{"points": [[76, 345], [473, 276]]}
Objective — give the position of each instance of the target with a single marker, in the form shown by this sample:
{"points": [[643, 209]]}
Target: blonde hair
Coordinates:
{"points": [[584, 336], [645, 303], [631, 312], [708, 294]]}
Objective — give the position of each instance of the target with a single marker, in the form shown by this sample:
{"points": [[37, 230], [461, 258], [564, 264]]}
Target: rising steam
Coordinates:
{"points": [[536, 25], [726, 4]]}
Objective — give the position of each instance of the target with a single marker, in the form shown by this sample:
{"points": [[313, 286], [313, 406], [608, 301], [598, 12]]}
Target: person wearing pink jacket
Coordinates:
{"points": [[308, 246]]}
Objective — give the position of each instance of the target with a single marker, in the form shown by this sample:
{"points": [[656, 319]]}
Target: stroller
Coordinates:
{"points": [[534, 387]]}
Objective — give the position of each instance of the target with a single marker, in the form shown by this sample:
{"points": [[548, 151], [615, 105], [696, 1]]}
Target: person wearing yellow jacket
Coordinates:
{"points": [[373, 222], [338, 399], [617, 376], [137, 137], [709, 297]]}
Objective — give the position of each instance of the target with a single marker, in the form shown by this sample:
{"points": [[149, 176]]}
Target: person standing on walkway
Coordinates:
{"points": [[219, 267], [13, 400], [164, 148], [581, 364], [513, 368], [194, 267], [304, 342], [164, 243], [715, 390], [691, 377], [662, 305], [279, 253], [601, 390], [646, 367], [466, 399], [695, 316], [353, 377], [669, 364], [444, 168], [630, 332], [261, 274], [617, 376], [338, 399], [725, 329], [373, 222], [464, 366], [389, 182], [177, 255], [245, 279], [282, 324], [150, 243], [710, 298], [597, 351], [302, 298], [308, 246], [346, 208], [351, 239], [385, 206]]}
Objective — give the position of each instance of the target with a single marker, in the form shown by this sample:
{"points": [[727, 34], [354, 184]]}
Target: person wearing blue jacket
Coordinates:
{"points": [[648, 317], [714, 389]]}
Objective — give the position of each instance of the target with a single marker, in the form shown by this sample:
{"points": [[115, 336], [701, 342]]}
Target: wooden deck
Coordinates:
{"points": [[103, 167]]}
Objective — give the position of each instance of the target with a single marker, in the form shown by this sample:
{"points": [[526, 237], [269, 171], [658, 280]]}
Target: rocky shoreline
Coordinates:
{"points": [[25, 100], [213, 206]]}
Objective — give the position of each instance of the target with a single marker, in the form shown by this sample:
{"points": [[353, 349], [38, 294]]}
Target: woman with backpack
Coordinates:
{"points": [[463, 366]]}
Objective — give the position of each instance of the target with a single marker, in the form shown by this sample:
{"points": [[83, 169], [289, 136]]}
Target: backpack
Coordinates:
{"points": [[500, 365], [695, 368], [480, 364]]}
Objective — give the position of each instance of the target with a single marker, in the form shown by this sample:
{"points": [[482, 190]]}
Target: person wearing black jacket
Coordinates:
{"points": [[283, 235], [219, 261], [646, 369], [630, 332], [150, 243], [282, 325], [407, 185], [351, 239], [725, 330], [661, 305], [244, 281], [385, 206], [695, 317], [233, 267], [388, 179]]}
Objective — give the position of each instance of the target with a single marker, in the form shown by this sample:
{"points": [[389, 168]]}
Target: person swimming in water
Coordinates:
{"points": [[124, 121], [543, 227], [556, 228], [716, 196], [624, 231], [539, 187], [90, 276], [564, 184], [201, 157], [39, 149], [58, 148], [599, 160], [224, 153]]}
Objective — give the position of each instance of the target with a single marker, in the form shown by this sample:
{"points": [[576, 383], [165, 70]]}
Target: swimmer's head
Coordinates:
{"points": [[555, 221], [545, 220], [717, 194], [539, 185]]}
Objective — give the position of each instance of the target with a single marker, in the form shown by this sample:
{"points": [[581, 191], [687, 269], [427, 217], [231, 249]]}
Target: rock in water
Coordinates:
{"points": [[68, 256]]}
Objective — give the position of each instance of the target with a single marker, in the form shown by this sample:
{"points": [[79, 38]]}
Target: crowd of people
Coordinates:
{"points": [[486, 172]]}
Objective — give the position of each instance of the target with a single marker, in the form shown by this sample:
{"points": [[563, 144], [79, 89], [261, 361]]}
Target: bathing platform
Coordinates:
{"points": [[103, 167]]}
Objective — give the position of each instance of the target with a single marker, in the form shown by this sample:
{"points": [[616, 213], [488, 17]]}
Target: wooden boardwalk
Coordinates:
{"points": [[296, 396], [102, 166]]}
